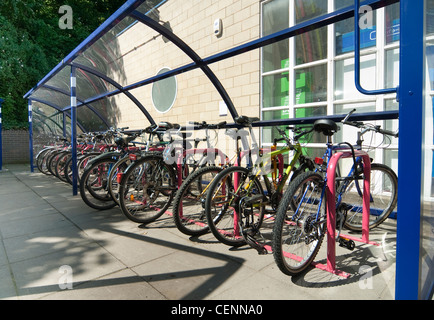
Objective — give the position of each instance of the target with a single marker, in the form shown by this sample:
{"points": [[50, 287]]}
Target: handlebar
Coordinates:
{"points": [[204, 125], [367, 127]]}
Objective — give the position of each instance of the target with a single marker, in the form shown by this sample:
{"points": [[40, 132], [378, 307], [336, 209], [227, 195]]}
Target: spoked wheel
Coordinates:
{"points": [[383, 198], [300, 224], [189, 203], [234, 205], [147, 189], [94, 185]]}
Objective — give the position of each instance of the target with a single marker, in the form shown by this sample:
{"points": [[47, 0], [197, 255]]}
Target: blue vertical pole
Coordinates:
{"points": [[64, 124], [31, 135], [411, 124], [74, 130], [1, 143]]}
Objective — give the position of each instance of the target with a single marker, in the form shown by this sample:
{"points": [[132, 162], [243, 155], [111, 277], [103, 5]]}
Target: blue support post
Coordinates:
{"points": [[31, 135], [64, 124], [74, 131], [1, 144], [411, 126]]}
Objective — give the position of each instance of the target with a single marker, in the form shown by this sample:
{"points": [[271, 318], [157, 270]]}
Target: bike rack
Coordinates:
{"points": [[331, 208]]}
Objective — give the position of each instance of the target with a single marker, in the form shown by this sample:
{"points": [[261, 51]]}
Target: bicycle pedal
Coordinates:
{"points": [[251, 241], [347, 243]]}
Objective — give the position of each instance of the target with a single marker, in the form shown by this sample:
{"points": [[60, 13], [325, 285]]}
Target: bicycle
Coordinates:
{"points": [[188, 205], [383, 185], [236, 200], [301, 218], [149, 184], [100, 170]]}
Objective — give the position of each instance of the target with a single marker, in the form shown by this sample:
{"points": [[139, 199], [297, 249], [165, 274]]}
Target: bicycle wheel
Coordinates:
{"points": [[94, 183], [41, 158], [233, 209], [189, 203], [52, 160], [116, 175], [384, 195], [147, 189], [59, 167], [300, 224]]}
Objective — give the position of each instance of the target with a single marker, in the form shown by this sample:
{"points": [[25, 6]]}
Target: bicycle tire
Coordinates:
{"points": [[68, 168], [221, 206], [296, 244], [384, 196], [119, 167], [41, 159], [93, 185], [51, 161], [189, 203], [147, 189], [59, 167]]}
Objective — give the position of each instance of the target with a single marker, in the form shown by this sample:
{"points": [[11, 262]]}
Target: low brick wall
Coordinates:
{"points": [[15, 146]]}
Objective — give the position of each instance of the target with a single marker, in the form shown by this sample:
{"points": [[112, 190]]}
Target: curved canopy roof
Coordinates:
{"points": [[102, 74]]}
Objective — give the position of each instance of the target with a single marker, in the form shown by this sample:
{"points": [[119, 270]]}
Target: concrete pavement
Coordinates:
{"points": [[53, 246]]}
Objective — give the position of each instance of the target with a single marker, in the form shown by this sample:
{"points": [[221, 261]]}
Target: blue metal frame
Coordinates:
{"points": [[357, 57], [191, 53], [78, 100], [74, 131], [113, 20], [410, 94], [30, 135], [411, 124], [48, 103], [116, 85]]}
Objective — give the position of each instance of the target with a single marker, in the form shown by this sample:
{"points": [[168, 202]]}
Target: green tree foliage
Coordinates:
{"points": [[31, 44]]}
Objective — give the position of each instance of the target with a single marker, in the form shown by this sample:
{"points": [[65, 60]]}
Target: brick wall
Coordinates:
{"points": [[15, 146]]}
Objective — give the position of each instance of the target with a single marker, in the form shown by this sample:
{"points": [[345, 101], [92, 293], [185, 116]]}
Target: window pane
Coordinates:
{"points": [[349, 133], [344, 31], [275, 90], [429, 17], [309, 9], [391, 78], [311, 84], [391, 125], [429, 49], [313, 153], [344, 77], [269, 133], [392, 23], [315, 137], [311, 46], [275, 17], [275, 56]]}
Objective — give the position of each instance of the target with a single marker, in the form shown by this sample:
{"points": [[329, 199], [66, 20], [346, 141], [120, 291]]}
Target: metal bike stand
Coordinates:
{"points": [[331, 208]]}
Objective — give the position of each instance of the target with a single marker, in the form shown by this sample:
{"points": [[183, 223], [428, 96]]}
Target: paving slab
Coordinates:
{"points": [[53, 246]]}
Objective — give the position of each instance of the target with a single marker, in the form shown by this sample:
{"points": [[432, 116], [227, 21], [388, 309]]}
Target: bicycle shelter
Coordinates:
{"points": [[150, 53]]}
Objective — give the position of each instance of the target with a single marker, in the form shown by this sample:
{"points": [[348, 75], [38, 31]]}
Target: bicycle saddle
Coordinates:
{"points": [[244, 120], [326, 126]]}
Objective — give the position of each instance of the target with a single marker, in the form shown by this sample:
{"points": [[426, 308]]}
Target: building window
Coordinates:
{"points": [[164, 92]]}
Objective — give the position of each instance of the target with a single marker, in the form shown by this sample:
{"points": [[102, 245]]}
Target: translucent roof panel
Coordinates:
{"points": [[133, 69], [122, 61]]}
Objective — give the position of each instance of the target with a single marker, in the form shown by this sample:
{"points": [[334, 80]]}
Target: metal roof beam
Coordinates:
{"points": [[81, 103], [112, 21], [117, 86], [191, 53]]}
